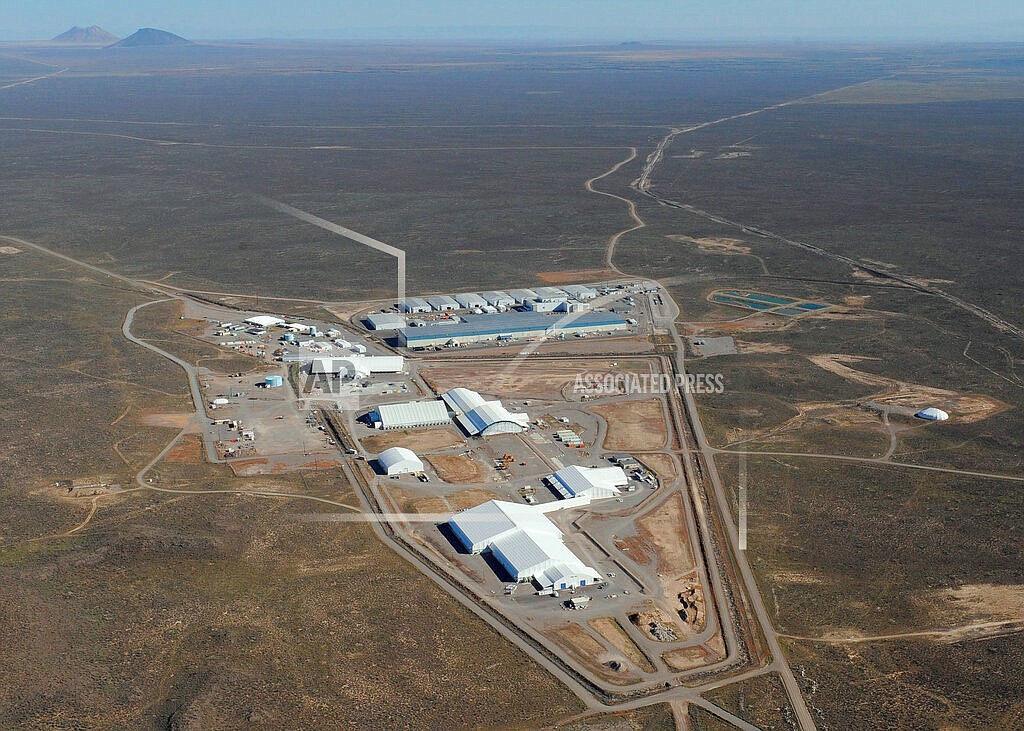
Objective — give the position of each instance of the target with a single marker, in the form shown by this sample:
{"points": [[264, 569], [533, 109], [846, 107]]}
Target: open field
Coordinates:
{"points": [[634, 425], [521, 378], [418, 440], [760, 701], [456, 468], [230, 611]]}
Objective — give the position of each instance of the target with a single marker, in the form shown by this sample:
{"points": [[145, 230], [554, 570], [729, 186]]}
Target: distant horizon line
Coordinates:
{"points": [[548, 40]]}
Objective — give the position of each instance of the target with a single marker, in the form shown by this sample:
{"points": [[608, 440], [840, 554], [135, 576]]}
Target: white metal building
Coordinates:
{"points": [[414, 305], [478, 416], [509, 325], [357, 366], [410, 415], [591, 482], [542, 305], [264, 321], [385, 321], [580, 292], [522, 295], [470, 300], [442, 303], [399, 461], [932, 414], [524, 541], [498, 299], [551, 293]]}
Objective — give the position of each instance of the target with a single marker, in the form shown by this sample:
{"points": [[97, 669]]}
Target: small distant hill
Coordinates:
{"points": [[92, 34], [151, 37]]}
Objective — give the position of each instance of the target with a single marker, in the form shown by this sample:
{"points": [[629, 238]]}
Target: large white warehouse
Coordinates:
{"points": [[357, 366], [399, 461], [594, 483], [524, 541], [411, 415], [478, 416], [385, 321]]}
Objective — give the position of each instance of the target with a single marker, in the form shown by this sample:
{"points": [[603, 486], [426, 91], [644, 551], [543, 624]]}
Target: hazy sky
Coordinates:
{"points": [[523, 19]]}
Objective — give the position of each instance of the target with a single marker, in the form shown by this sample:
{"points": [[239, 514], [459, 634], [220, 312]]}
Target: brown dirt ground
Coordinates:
{"points": [[173, 420], [687, 658], [520, 379], [456, 468], [637, 548], [456, 501], [746, 347], [648, 612], [611, 630], [634, 425], [664, 528], [714, 245], [187, 451], [578, 275], [662, 465], [590, 653], [965, 408], [988, 601], [418, 440]]}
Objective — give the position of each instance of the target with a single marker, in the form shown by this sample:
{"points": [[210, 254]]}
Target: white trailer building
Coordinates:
{"points": [[470, 300], [524, 541], [442, 303], [414, 305], [498, 299], [551, 293], [580, 292], [399, 461], [357, 366], [522, 295]]}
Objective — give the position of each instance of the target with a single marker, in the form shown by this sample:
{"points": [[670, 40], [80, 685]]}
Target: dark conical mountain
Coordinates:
{"points": [[151, 37], [92, 34]]}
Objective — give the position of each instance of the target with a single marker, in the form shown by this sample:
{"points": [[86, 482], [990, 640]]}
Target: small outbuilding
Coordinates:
{"points": [[399, 461]]}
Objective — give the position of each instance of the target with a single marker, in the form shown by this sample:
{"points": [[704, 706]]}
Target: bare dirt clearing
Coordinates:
{"points": [[611, 630], [634, 425], [456, 468], [665, 529], [521, 379], [714, 245], [965, 408], [418, 440]]}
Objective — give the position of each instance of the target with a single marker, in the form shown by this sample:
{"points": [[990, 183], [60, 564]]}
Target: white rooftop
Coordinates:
{"points": [[524, 540], [594, 482]]}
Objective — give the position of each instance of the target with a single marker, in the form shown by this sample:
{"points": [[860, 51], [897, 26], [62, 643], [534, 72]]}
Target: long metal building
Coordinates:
{"points": [[507, 326]]}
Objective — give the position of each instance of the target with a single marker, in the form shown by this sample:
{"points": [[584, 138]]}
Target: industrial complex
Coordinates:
{"points": [[512, 488]]}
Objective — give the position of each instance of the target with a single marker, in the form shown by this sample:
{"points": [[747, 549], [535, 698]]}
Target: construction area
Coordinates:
{"points": [[564, 514]]}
